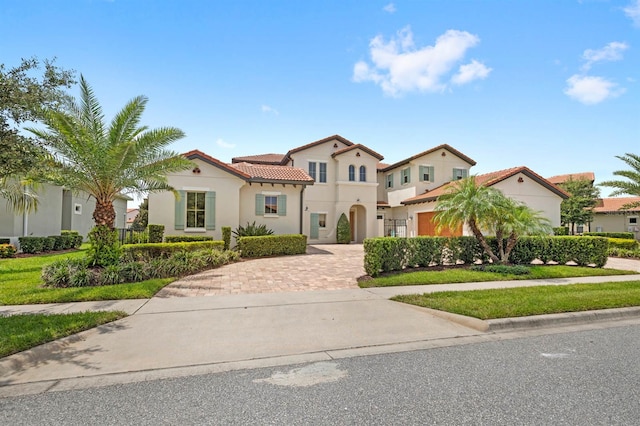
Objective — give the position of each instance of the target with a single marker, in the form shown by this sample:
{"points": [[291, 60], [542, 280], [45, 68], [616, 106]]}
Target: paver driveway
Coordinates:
{"points": [[324, 267]]}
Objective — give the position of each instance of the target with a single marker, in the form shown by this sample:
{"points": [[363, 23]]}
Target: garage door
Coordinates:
{"points": [[426, 226]]}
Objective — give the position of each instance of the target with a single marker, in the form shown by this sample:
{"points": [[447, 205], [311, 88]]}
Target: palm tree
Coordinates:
{"points": [[630, 186], [486, 208], [108, 160], [18, 193]]}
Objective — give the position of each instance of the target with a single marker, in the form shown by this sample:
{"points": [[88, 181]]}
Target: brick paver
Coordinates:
{"points": [[324, 267]]}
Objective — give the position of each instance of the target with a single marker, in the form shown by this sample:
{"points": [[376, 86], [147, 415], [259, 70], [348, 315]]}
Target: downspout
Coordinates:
{"points": [[25, 218], [301, 207]]}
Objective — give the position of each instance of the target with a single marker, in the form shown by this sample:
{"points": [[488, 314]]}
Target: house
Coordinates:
{"points": [[610, 217], [131, 216], [58, 209], [307, 189], [561, 179]]}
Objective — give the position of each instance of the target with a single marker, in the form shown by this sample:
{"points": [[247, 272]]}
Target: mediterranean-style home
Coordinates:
{"points": [[58, 209], [307, 189]]}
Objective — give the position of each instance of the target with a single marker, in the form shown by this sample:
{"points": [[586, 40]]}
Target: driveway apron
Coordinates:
{"points": [[323, 267]]}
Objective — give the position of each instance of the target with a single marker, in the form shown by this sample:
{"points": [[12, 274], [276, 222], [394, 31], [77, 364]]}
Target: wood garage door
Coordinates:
{"points": [[426, 226]]}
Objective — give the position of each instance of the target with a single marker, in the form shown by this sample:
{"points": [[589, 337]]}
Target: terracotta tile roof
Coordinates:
{"points": [[590, 176], [216, 163], [273, 159], [610, 205], [383, 204], [382, 166], [271, 173], [358, 146], [339, 138], [429, 151], [488, 179], [131, 210]]}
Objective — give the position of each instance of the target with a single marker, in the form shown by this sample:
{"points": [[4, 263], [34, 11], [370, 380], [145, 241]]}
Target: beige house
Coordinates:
{"points": [[307, 189], [610, 217]]}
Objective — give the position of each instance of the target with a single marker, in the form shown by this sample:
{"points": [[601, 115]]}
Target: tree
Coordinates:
{"points": [[486, 208], [343, 230], [22, 97], [140, 222], [631, 186], [578, 208], [107, 160]]}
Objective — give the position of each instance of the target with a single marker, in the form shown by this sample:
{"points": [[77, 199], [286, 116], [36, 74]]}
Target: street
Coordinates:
{"points": [[586, 377]]}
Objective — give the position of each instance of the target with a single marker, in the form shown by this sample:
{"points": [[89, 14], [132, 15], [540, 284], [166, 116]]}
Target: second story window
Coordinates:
{"points": [[405, 176], [363, 174], [459, 174], [426, 173], [323, 172], [390, 181], [312, 169], [352, 173]]}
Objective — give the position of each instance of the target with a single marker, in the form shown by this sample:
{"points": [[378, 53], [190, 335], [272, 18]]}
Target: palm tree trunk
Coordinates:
{"points": [[104, 213], [483, 241], [511, 243]]}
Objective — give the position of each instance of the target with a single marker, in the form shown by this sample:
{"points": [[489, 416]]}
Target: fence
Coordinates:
{"points": [[395, 227]]}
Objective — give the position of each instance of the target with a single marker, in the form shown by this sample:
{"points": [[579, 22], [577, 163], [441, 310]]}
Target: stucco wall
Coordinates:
{"points": [[287, 224], [617, 222]]}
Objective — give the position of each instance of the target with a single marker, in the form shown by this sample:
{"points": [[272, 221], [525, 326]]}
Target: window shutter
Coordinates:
{"points": [[180, 207], [315, 226], [282, 205], [259, 205], [431, 173], [408, 175], [455, 174], [465, 173], [210, 211], [422, 170]]}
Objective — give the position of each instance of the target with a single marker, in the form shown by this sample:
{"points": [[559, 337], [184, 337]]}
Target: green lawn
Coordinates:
{"points": [[20, 284], [523, 301], [462, 275], [21, 332]]}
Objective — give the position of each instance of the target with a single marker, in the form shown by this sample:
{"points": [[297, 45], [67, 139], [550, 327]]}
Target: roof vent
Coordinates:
{"points": [[520, 180], [444, 154], [196, 170]]}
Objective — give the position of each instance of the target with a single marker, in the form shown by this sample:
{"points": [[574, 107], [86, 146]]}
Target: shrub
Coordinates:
{"points": [[5, 241], [561, 230], [48, 243], [68, 273], [272, 245], [503, 269], [7, 250], [105, 248], [147, 252], [186, 238], [226, 237], [619, 252], [623, 243], [252, 230], [111, 274], [625, 235], [136, 237], [156, 233], [31, 244], [343, 230]]}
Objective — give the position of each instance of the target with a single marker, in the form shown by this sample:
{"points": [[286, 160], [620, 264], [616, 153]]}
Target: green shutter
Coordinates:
{"points": [[282, 205], [421, 171], [210, 211], [432, 174], [455, 175], [465, 173], [180, 210], [408, 175], [259, 205], [315, 226]]}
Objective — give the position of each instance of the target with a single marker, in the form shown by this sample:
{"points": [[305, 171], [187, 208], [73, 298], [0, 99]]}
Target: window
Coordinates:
{"points": [[633, 221], [271, 204], [363, 174], [460, 173], [322, 220], [599, 228], [323, 172], [195, 210], [312, 169], [390, 181], [352, 173], [426, 174], [77, 208], [405, 175]]}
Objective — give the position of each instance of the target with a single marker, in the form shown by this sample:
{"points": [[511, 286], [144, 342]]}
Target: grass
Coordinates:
{"points": [[523, 301], [20, 283], [464, 275], [21, 332]]}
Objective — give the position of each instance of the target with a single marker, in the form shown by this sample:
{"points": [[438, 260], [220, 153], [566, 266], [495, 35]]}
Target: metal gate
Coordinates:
{"points": [[395, 227]]}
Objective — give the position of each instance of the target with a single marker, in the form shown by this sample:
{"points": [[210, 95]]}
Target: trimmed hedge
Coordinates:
{"points": [[156, 233], [7, 250], [226, 237], [272, 245], [5, 241], [625, 235], [385, 254], [31, 245], [561, 230], [623, 243], [149, 251], [186, 238]]}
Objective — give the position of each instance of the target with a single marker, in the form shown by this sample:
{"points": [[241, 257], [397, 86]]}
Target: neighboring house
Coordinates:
{"points": [[58, 209], [609, 216], [560, 179], [519, 183], [131, 216], [307, 189]]}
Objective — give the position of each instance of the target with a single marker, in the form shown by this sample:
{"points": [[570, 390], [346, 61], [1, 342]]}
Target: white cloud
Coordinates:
{"points": [[469, 72], [390, 8], [633, 12], [226, 145], [611, 52], [268, 109], [398, 66], [591, 90]]}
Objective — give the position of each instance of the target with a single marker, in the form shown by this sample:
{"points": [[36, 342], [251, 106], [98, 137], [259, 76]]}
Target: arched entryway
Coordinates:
{"points": [[358, 223]]}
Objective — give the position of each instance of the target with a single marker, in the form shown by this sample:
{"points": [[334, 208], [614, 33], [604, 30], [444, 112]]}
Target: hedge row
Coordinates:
{"points": [[54, 242], [625, 235], [387, 254], [272, 245], [146, 252], [623, 243], [186, 238]]}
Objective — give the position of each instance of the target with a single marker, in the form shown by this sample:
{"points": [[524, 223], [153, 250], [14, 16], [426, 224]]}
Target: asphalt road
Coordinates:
{"points": [[580, 378]]}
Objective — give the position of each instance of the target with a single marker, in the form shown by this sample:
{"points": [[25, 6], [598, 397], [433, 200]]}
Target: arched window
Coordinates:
{"points": [[352, 173], [363, 174]]}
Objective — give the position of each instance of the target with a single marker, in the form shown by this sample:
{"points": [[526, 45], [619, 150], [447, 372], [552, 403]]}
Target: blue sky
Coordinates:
{"points": [[551, 85]]}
